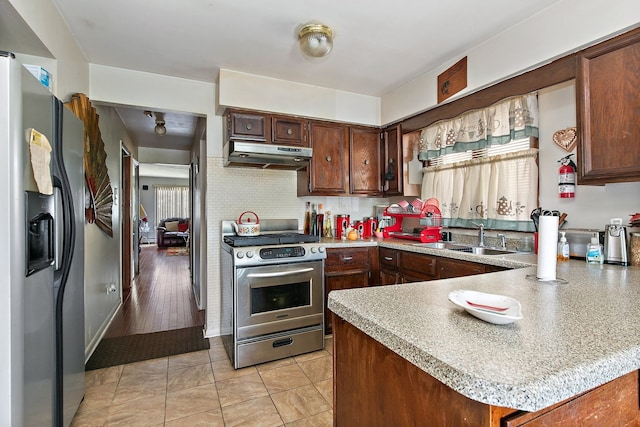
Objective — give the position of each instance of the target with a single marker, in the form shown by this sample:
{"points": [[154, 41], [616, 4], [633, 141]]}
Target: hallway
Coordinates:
{"points": [[161, 297]]}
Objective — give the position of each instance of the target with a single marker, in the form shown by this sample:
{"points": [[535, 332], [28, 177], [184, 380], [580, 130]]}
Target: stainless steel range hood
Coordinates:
{"points": [[261, 155]]}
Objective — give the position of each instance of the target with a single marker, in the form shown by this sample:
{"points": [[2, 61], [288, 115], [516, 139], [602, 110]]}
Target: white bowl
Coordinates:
{"points": [[492, 308]]}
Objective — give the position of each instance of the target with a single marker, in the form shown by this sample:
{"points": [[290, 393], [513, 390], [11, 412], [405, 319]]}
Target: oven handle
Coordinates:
{"points": [[280, 273]]}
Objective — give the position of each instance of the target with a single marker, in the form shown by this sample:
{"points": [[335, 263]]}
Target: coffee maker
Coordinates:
{"points": [[615, 243]]}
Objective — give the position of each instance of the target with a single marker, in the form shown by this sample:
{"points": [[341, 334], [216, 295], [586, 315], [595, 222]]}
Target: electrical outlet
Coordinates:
{"points": [[111, 288]]}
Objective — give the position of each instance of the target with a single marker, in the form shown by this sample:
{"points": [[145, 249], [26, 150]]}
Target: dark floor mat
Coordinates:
{"points": [[135, 348]]}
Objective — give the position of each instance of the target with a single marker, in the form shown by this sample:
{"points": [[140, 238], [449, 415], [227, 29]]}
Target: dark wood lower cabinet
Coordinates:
{"points": [[373, 386], [348, 268]]}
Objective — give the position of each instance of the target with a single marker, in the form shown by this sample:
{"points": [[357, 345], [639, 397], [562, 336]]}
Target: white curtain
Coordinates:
{"points": [[171, 201], [499, 191], [510, 119]]}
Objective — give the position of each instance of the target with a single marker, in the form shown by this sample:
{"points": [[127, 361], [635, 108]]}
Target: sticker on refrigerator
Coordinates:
{"points": [[40, 153]]}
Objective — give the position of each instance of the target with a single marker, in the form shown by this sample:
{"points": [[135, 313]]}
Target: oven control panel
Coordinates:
{"points": [[256, 255], [282, 252]]}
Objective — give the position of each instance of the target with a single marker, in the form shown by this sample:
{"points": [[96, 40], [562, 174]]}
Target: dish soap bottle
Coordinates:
{"points": [[563, 248], [594, 251]]}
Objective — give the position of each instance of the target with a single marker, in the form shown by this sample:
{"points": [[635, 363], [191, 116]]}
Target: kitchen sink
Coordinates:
{"points": [[477, 250]]}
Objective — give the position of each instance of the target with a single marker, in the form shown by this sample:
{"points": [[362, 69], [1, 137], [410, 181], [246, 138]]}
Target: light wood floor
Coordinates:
{"points": [[161, 297]]}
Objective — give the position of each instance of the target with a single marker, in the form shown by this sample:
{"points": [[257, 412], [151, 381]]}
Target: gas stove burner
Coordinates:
{"points": [[270, 239]]}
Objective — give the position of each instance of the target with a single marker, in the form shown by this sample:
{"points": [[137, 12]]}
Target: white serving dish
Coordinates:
{"points": [[492, 308]]}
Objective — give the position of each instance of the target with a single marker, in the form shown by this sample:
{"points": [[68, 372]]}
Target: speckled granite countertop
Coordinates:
{"points": [[573, 337]]}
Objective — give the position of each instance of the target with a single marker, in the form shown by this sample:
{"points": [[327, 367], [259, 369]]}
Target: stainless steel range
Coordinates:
{"points": [[272, 293]]}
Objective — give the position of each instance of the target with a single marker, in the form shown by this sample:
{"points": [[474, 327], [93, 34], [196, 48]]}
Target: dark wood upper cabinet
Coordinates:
{"points": [[364, 167], [392, 162], [245, 125], [328, 172], [608, 101], [289, 131]]}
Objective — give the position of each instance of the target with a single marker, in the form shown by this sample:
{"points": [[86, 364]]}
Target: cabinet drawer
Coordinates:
{"points": [[458, 268], [347, 259], [389, 257], [424, 264], [289, 131]]}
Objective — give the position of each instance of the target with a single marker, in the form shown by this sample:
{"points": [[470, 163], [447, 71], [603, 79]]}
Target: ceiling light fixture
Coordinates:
{"points": [[316, 40], [160, 129]]}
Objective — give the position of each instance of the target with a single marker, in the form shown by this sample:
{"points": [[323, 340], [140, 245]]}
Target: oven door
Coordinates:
{"points": [[278, 298]]}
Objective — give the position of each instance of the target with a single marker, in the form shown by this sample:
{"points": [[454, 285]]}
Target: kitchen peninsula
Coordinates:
{"points": [[405, 355]]}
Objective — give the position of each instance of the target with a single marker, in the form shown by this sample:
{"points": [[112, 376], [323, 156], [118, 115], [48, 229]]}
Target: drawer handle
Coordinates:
{"points": [[347, 258], [282, 343], [388, 258], [249, 126]]}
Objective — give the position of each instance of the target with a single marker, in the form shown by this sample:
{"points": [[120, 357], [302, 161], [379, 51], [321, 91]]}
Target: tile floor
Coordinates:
{"points": [[202, 389]]}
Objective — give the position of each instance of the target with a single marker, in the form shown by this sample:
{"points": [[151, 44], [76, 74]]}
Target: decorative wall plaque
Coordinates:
{"points": [[98, 192], [453, 80]]}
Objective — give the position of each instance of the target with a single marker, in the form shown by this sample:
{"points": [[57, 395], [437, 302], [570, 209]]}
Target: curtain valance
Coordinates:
{"points": [[511, 118]]}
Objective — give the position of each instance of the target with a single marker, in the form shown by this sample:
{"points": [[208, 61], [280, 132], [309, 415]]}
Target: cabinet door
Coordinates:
{"points": [[345, 268], [418, 267], [389, 276], [364, 170], [338, 281], [328, 171], [289, 131], [253, 126], [392, 167], [456, 268], [608, 101]]}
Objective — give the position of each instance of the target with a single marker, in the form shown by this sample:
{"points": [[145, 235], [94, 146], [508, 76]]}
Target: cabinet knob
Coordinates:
{"points": [[328, 158], [366, 162], [289, 131], [249, 126]]}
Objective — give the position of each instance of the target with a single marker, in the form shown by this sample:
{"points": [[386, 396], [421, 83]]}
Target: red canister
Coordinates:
{"points": [[342, 223], [370, 226]]}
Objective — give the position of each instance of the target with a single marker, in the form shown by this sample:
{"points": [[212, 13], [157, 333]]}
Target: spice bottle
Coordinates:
{"points": [[307, 219], [320, 221], [328, 226]]}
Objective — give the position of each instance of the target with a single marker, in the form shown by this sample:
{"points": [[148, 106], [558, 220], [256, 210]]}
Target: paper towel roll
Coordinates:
{"points": [[547, 247]]}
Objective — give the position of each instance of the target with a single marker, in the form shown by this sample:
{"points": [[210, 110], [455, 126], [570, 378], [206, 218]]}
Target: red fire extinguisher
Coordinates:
{"points": [[567, 178]]}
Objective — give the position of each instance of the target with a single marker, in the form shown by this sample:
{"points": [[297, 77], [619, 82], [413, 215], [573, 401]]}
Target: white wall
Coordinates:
{"points": [[163, 155], [593, 206], [549, 34], [249, 91]]}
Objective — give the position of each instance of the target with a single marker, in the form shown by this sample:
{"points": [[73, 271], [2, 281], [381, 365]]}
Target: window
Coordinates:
{"points": [[172, 201], [484, 173]]}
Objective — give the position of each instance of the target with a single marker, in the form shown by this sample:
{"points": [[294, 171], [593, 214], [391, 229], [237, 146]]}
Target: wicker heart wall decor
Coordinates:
{"points": [[566, 138]]}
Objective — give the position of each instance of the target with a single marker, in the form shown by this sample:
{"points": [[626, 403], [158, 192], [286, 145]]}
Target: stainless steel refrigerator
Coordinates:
{"points": [[42, 264]]}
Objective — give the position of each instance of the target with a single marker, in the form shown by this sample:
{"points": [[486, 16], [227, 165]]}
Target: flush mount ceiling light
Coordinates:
{"points": [[316, 40]]}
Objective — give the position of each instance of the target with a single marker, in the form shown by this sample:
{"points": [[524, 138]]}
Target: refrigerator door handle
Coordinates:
{"points": [[58, 229]]}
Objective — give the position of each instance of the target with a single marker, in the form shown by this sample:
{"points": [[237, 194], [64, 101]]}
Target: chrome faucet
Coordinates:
{"points": [[480, 233], [503, 240]]}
